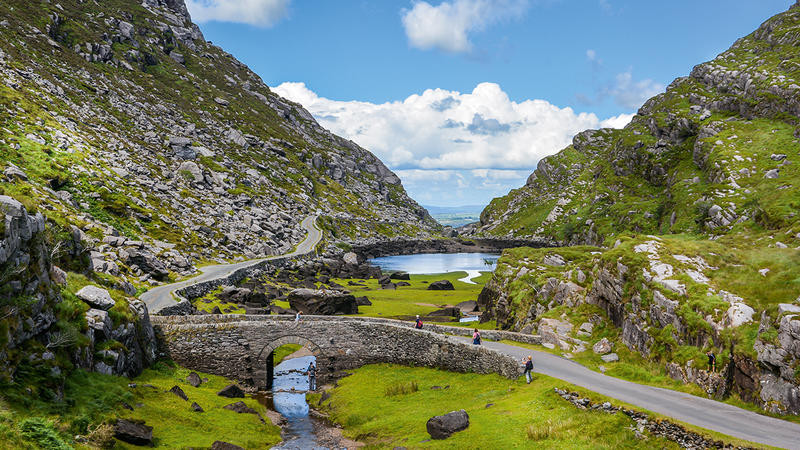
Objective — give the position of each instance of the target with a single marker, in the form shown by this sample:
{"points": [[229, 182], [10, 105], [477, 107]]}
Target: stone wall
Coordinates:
{"points": [[238, 346]]}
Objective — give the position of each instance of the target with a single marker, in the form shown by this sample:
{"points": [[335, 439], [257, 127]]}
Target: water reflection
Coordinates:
{"points": [[429, 263], [289, 399]]}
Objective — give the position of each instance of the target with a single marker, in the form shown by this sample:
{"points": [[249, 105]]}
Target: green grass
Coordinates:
{"points": [[175, 425], [283, 351], [92, 401], [521, 415], [408, 301]]}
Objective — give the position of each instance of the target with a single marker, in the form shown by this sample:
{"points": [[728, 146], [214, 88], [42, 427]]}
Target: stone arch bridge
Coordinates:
{"points": [[241, 347]]}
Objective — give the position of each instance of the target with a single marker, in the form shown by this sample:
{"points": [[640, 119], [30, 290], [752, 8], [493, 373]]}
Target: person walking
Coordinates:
{"points": [[312, 377], [418, 324], [476, 337], [297, 317], [528, 368], [712, 361]]}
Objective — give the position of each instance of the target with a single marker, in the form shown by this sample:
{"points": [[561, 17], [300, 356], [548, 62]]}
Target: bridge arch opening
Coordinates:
{"points": [[266, 356]]}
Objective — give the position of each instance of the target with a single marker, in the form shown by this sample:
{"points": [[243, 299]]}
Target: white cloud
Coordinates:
{"points": [[448, 25], [442, 129], [591, 55], [450, 147], [262, 13], [632, 94]]}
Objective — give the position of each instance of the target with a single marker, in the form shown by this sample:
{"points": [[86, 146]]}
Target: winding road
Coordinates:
{"points": [[698, 411], [162, 296], [702, 412]]}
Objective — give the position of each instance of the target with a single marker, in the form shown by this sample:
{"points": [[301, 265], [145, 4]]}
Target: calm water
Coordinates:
{"points": [[429, 263], [299, 432]]}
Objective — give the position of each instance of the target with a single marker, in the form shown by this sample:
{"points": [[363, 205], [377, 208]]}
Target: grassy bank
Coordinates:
{"points": [[378, 405], [92, 402], [415, 299]]}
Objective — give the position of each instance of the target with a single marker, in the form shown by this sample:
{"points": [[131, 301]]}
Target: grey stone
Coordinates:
{"points": [[197, 408], [14, 173], [785, 308], [194, 379], [441, 427], [611, 357], [179, 392], [772, 174], [554, 260], [231, 391], [96, 297], [602, 347], [442, 285], [350, 258], [221, 445], [133, 433], [322, 301]]}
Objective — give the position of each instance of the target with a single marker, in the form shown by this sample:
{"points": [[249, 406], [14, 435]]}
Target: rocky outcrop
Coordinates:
{"points": [[322, 302], [441, 427]]}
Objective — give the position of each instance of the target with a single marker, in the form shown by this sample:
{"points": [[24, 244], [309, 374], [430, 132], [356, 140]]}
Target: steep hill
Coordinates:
{"points": [[712, 155], [680, 232], [118, 118]]}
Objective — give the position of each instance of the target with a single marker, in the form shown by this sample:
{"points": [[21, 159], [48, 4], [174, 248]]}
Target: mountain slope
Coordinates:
{"points": [[119, 118], [679, 233], [713, 154]]}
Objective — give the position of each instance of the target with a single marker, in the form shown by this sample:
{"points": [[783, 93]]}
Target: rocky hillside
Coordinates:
{"points": [[714, 154], [118, 118], [680, 232]]}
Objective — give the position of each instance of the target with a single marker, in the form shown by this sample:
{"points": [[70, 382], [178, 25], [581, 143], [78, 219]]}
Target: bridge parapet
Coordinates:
{"points": [[238, 347]]}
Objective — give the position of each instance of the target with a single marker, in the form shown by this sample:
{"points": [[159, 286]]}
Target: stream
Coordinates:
{"points": [[300, 431], [431, 263]]}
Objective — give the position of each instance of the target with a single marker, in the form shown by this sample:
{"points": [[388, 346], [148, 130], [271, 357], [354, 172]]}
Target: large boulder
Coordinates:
{"points": [[96, 297], [468, 306], [322, 302], [443, 285], [133, 432], [145, 261], [194, 379], [400, 276], [441, 427], [231, 391], [602, 346], [450, 311]]}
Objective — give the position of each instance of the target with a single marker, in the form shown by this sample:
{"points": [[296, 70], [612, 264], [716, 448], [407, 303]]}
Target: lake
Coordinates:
{"points": [[431, 263]]}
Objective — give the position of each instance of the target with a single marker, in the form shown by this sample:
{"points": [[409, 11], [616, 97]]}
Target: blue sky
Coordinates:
{"points": [[463, 97]]}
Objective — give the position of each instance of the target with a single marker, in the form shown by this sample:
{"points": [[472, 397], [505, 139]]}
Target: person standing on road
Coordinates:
{"points": [[312, 376], [476, 337], [418, 324], [712, 361], [528, 368]]}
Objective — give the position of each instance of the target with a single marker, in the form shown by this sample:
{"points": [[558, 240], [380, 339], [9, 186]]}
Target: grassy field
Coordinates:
{"points": [[415, 299], [379, 406], [92, 402]]}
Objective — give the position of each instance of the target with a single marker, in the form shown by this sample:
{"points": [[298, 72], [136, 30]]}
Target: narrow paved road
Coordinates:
{"points": [[161, 296], [698, 411]]}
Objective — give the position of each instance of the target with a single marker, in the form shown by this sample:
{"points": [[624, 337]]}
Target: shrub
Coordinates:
{"points": [[43, 434], [401, 388]]}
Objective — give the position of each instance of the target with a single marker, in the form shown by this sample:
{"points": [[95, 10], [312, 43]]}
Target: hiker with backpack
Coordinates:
{"points": [[712, 361], [476, 337], [418, 324]]}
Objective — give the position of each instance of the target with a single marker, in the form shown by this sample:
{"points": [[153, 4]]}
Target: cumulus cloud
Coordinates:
{"points": [[261, 13], [480, 142], [448, 25]]}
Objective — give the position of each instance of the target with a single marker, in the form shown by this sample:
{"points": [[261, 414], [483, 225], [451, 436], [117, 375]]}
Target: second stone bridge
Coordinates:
{"points": [[241, 347]]}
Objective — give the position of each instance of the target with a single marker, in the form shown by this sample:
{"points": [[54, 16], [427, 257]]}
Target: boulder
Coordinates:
{"points": [[220, 445], [133, 433], [363, 301], [402, 283], [231, 391], [442, 285], [197, 408], [194, 379], [100, 322], [350, 258], [179, 392], [400, 276], [146, 261], [322, 302], [441, 427], [384, 279], [554, 260], [242, 408], [602, 347], [611, 357], [96, 297]]}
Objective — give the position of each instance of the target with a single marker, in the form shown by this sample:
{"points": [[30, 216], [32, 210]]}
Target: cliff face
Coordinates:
{"points": [[680, 232], [712, 155], [119, 118]]}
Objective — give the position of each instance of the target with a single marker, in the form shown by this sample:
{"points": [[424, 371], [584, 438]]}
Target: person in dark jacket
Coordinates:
{"points": [[528, 368], [712, 361], [312, 376]]}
